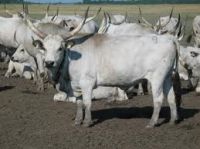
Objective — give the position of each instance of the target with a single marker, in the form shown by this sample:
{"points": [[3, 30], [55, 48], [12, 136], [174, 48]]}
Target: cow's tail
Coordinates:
{"points": [[176, 63], [176, 80]]}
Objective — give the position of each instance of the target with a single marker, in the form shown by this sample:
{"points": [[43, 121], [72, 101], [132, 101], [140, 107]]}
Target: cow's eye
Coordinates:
{"points": [[22, 50], [60, 49]]}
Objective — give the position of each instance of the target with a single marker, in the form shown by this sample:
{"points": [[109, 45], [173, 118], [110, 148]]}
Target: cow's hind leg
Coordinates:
{"points": [[157, 92], [169, 93], [140, 91], [198, 88]]}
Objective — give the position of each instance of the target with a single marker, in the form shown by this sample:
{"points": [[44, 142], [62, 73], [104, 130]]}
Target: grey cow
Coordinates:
{"points": [[104, 60]]}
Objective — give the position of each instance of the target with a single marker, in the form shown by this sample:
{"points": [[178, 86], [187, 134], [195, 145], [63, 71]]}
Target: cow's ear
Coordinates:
{"points": [[194, 54], [69, 44], [37, 43]]}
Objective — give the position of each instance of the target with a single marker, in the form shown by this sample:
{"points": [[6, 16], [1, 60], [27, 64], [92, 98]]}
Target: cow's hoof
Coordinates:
{"points": [[60, 97], [149, 126], [140, 94], [78, 122], [87, 123]]}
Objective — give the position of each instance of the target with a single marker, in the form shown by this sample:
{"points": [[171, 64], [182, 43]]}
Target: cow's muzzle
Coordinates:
{"points": [[13, 59], [49, 64]]}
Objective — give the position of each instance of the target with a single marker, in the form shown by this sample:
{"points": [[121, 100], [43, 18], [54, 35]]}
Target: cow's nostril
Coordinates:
{"points": [[12, 58], [49, 63]]}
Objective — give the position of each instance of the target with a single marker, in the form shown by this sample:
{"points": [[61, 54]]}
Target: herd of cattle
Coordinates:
{"points": [[85, 61]]}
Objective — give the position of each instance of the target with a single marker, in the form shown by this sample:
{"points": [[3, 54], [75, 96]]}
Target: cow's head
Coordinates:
{"points": [[167, 25], [54, 46], [21, 55], [192, 59]]}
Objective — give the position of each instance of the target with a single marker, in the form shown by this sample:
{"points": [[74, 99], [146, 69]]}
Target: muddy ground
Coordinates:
{"points": [[32, 120]]}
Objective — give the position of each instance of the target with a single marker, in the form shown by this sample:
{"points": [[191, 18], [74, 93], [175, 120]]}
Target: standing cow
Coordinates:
{"points": [[104, 60]]}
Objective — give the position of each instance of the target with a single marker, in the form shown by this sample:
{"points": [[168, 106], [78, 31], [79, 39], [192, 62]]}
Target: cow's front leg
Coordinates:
{"points": [[40, 64], [87, 102], [11, 67], [79, 112], [87, 87], [40, 83]]}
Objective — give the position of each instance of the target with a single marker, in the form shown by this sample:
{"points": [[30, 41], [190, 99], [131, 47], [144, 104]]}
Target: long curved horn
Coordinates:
{"points": [[108, 18], [78, 28], [144, 20], [158, 27], [39, 33], [170, 16], [181, 32], [103, 24], [57, 11], [93, 17], [47, 11], [15, 40], [126, 16], [179, 20]]}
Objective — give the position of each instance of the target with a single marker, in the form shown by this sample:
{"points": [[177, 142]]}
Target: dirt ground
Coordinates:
{"points": [[32, 120]]}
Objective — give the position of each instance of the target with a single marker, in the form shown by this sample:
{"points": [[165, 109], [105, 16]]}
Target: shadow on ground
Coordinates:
{"points": [[138, 112]]}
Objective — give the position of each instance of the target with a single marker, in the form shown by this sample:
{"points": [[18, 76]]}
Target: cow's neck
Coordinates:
{"points": [[56, 73]]}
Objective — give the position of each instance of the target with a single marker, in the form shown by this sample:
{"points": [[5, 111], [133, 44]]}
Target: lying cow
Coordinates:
{"points": [[189, 66], [23, 64]]}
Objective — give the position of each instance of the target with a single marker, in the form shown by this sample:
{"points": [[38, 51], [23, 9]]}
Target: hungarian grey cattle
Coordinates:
{"points": [[196, 31], [23, 64], [106, 60], [101, 92], [24, 35], [72, 21], [166, 25], [16, 25], [189, 69]]}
